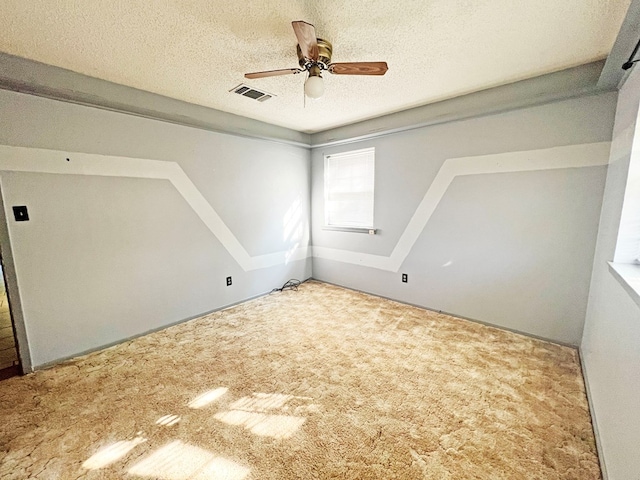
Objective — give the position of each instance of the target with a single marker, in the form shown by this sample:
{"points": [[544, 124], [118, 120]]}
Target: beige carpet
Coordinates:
{"points": [[319, 383]]}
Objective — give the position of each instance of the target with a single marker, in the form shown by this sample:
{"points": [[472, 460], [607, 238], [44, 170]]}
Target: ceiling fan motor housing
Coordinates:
{"points": [[324, 55]]}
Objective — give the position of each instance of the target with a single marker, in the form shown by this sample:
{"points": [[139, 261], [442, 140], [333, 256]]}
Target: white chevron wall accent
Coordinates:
{"points": [[571, 156], [35, 160]]}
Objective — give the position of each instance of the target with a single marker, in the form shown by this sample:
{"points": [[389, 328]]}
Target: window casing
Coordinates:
{"points": [[349, 189]]}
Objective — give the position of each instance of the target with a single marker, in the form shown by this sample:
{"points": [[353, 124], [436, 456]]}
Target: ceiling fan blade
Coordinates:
{"points": [[272, 73], [306, 35], [359, 68]]}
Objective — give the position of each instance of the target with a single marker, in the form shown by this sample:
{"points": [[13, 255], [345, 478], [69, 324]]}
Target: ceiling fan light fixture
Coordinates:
{"points": [[314, 56], [314, 86]]}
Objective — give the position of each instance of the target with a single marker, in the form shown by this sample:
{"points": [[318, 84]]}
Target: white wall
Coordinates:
{"points": [[107, 257], [611, 343], [511, 235]]}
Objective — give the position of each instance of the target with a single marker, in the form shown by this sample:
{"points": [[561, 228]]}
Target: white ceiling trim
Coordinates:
{"points": [[35, 78], [26, 76]]}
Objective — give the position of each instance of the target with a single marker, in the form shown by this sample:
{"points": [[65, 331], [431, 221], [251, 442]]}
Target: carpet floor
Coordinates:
{"points": [[317, 383]]}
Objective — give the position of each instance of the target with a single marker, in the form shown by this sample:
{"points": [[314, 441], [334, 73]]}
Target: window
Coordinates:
{"points": [[348, 189], [628, 240]]}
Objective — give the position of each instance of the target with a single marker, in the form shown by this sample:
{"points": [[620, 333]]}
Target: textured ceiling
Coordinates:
{"points": [[197, 50]]}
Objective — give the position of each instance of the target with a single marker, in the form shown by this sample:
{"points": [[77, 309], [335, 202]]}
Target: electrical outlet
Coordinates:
{"points": [[228, 281], [405, 278]]}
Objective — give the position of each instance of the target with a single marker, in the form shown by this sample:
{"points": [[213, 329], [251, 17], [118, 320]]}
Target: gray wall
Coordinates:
{"points": [[104, 258], [512, 249], [611, 344]]}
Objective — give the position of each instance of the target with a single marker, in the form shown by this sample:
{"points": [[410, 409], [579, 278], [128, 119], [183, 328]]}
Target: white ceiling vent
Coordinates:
{"points": [[247, 91]]}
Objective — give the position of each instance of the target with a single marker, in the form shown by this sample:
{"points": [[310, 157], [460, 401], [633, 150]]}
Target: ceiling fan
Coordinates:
{"points": [[314, 56]]}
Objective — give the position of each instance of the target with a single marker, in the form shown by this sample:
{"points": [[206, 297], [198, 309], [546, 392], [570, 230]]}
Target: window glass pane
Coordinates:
{"points": [[349, 182]]}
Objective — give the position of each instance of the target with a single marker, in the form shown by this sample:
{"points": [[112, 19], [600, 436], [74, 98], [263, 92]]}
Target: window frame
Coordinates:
{"points": [[343, 227]]}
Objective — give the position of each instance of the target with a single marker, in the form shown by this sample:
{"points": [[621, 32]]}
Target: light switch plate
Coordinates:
{"points": [[20, 213]]}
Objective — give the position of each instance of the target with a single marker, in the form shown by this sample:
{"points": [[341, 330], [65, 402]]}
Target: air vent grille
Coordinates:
{"points": [[247, 91]]}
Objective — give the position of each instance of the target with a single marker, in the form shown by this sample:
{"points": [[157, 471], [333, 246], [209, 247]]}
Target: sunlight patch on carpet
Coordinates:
{"points": [[180, 461], [168, 420], [111, 453], [261, 424], [261, 402], [207, 397]]}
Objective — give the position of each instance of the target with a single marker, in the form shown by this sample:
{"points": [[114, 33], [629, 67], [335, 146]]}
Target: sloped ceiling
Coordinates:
{"points": [[197, 50]]}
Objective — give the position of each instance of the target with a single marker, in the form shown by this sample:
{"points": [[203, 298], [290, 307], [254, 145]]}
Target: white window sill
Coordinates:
{"points": [[369, 230], [629, 277]]}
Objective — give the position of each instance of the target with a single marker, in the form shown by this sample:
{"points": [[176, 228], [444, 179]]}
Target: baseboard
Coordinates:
{"points": [[594, 423]]}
